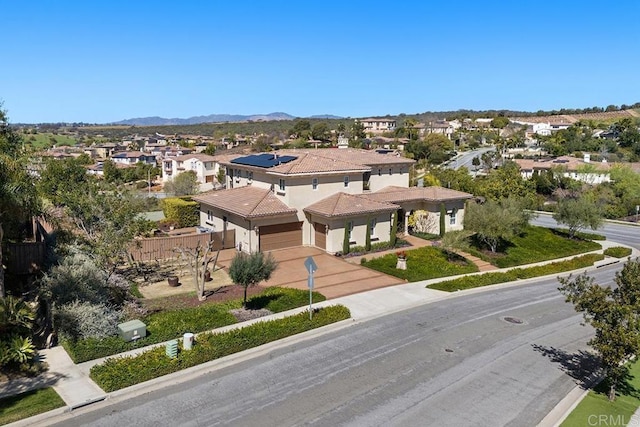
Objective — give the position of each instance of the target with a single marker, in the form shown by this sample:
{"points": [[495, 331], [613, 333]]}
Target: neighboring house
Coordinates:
{"points": [[313, 197], [541, 127], [440, 127], [204, 165], [169, 151], [104, 151], [378, 125], [133, 157], [571, 167], [98, 168]]}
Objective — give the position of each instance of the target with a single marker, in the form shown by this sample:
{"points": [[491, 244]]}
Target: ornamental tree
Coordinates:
{"points": [[615, 316]]}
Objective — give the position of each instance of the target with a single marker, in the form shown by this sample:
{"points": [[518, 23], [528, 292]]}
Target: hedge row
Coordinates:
{"points": [[185, 212], [167, 325], [618, 252], [120, 372], [476, 281]]}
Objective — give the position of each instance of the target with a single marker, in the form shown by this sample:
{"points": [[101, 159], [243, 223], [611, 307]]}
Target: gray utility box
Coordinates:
{"points": [[132, 330]]}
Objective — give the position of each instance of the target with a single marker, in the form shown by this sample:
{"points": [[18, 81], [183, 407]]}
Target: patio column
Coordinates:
{"points": [[406, 222]]}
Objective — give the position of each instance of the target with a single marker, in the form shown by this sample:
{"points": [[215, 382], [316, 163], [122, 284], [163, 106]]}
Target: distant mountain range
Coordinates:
{"points": [[214, 118]]}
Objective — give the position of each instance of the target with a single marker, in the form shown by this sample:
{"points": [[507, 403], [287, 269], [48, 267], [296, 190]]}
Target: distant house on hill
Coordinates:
{"points": [[378, 125], [571, 167]]}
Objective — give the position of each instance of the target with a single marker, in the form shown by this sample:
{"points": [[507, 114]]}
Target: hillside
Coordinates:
{"points": [[212, 118], [603, 117]]}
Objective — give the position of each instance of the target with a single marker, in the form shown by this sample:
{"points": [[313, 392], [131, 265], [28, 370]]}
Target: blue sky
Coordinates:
{"points": [[105, 61]]}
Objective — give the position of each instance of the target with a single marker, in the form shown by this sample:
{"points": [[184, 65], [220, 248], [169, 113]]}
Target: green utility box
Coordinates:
{"points": [[171, 349], [132, 330]]}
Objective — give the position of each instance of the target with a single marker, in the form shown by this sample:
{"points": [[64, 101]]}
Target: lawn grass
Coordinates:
{"points": [[28, 404], [423, 264], [536, 244], [44, 140], [596, 407]]}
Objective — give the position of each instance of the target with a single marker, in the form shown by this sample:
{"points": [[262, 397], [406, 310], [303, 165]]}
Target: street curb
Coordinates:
{"points": [[67, 413]]}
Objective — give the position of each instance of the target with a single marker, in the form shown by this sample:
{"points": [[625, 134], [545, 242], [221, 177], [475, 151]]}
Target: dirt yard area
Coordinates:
{"points": [[160, 288]]}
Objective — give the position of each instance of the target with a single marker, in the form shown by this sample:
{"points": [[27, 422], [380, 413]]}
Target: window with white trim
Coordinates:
{"points": [[346, 181], [350, 228], [372, 227], [314, 183], [281, 185], [390, 171], [452, 217]]}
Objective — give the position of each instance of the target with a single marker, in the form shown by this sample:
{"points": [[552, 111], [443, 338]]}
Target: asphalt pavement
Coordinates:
{"points": [[76, 388]]}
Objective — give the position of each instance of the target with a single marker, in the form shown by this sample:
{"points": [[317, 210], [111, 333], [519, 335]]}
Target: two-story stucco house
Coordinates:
{"points": [[378, 125], [313, 197], [133, 157], [204, 166]]}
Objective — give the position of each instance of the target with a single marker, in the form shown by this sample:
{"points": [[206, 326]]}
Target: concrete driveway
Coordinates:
{"points": [[334, 278]]}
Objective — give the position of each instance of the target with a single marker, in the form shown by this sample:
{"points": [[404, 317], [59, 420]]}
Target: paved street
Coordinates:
{"points": [[455, 362]]}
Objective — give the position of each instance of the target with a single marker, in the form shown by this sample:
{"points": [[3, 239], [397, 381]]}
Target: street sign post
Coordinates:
{"points": [[311, 267]]}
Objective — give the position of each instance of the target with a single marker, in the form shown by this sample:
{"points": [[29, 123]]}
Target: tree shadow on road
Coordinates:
{"points": [[582, 366]]}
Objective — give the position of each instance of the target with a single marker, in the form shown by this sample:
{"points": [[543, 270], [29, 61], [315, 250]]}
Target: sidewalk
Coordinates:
{"points": [[73, 384]]}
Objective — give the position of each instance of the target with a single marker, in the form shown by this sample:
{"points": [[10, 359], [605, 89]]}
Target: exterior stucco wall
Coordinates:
{"points": [[380, 177], [335, 234]]}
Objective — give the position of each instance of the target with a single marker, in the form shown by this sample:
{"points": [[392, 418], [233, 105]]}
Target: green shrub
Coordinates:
{"points": [[185, 212], [493, 278], [135, 291], [167, 325], [618, 252], [120, 372]]}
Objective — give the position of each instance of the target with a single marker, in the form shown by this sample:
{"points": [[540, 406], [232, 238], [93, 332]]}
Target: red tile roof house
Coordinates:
{"points": [[310, 197], [571, 167]]}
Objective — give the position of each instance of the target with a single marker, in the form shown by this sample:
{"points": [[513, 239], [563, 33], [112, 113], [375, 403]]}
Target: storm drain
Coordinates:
{"points": [[513, 320]]}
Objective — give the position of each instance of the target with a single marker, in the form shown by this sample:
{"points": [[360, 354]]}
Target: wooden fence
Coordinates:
{"points": [[156, 248], [23, 258]]}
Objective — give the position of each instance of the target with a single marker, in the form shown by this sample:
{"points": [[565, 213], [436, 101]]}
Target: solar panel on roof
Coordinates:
{"points": [[264, 160]]}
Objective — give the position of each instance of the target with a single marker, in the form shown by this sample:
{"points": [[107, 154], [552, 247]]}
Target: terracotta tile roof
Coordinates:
{"points": [[354, 155], [346, 205], [226, 158], [328, 160], [129, 154], [200, 156], [571, 163], [307, 163], [401, 194], [248, 202]]}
